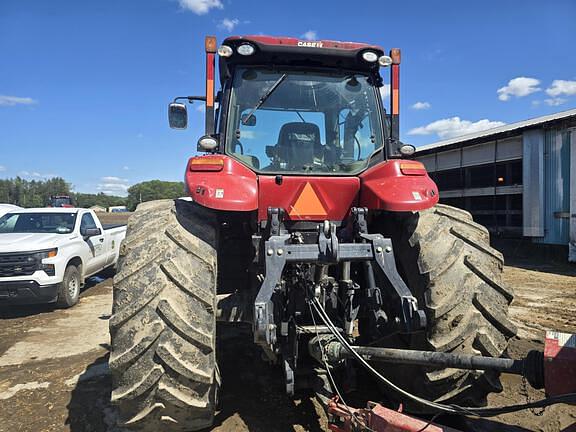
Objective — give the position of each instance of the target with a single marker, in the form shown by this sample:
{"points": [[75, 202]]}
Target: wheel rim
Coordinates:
{"points": [[73, 286]]}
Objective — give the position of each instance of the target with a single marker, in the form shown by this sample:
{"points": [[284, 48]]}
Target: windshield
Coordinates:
{"points": [[291, 121], [52, 223]]}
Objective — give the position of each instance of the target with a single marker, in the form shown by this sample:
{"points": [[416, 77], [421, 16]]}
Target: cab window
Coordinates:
{"points": [[87, 221]]}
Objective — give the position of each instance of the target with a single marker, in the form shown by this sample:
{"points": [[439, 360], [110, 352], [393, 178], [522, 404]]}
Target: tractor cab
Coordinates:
{"points": [[60, 201], [301, 107], [300, 126]]}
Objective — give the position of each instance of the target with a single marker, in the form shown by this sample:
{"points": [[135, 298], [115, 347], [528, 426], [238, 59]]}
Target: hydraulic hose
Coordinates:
{"points": [[437, 407]]}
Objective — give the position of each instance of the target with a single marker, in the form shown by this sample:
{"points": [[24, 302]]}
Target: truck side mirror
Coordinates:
{"points": [[91, 232], [177, 115]]}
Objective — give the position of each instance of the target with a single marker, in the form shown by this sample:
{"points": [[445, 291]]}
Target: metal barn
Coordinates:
{"points": [[519, 180]]}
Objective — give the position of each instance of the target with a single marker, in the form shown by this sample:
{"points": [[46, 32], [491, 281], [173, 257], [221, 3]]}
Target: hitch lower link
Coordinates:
{"points": [[368, 248]]}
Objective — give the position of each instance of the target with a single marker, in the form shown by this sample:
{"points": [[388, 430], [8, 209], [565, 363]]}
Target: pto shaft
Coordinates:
{"points": [[531, 367]]}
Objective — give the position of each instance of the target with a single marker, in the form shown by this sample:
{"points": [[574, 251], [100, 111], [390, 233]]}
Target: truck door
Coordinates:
{"points": [[95, 244], [112, 246]]}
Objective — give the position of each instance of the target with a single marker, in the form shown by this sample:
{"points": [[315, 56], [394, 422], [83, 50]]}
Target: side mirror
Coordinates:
{"points": [[90, 232], [177, 115]]}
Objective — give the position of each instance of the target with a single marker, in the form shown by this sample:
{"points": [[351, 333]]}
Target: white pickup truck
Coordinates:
{"points": [[46, 254]]}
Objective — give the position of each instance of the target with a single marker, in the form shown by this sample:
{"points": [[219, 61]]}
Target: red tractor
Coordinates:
{"points": [[308, 220], [60, 201]]}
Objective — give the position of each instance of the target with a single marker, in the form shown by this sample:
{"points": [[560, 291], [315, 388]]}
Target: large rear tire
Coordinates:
{"points": [[163, 361], [447, 262]]}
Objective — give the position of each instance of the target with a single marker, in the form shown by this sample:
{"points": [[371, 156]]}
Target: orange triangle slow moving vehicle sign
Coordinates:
{"points": [[307, 204]]}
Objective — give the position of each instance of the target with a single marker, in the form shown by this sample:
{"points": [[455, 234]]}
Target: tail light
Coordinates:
{"points": [[206, 163], [412, 168]]}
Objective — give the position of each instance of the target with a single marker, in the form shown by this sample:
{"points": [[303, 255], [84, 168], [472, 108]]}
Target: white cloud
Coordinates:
{"points": [[519, 87], [309, 35], [2, 168], [562, 87], [453, 127], [421, 106], [385, 91], [36, 175], [555, 101], [15, 100], [113, 185], [112, 179], [228, 24], [200, 7], [126, 168]]}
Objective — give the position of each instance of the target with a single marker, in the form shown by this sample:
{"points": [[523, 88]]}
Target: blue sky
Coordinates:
{"points": [[84, 85]]}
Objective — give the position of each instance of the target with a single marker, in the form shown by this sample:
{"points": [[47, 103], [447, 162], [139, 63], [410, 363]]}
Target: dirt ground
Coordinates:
{"points": [[54, 374], [113, 218]]}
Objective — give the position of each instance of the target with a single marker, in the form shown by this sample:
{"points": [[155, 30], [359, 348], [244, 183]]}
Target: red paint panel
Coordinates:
{"points": [[210, 79], [384, 187], [234, 188], [296, 195], [559, 363], [395, 84], [383, 419]]}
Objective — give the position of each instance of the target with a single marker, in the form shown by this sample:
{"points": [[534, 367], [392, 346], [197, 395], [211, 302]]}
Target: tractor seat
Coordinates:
{"points": [[298, 143]]}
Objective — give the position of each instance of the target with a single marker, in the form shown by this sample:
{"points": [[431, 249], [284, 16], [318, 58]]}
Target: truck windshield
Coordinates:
{"points": [[52, 223], [325, 123]]}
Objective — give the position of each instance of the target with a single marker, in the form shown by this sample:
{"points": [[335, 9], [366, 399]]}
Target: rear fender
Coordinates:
{"points": [[221, 183], [386, 187]]}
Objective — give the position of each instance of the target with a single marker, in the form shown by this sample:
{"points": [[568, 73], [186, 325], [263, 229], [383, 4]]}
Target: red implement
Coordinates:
{"points": [[378, 419], [559, 363]]}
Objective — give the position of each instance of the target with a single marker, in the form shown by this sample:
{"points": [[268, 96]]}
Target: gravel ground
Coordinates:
{"points": [[54, 373]]}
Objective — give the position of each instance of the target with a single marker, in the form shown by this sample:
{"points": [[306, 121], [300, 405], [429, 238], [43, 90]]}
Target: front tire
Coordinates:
{"points": [[163, 361], [447, 262], [69, 288]]}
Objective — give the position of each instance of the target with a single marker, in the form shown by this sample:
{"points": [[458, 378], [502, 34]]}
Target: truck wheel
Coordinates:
{"points": [[69, 288], [163, 326], [447, 262]]}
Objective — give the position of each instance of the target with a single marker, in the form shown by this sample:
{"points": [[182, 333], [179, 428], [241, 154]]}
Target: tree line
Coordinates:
{"points": [[37, 193]]}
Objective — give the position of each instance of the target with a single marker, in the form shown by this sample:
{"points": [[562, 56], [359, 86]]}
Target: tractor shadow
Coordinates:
{"points": [[253, 397], [89, 408]]}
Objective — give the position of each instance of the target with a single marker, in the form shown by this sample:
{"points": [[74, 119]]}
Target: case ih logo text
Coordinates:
{"points": [[310, 44]]}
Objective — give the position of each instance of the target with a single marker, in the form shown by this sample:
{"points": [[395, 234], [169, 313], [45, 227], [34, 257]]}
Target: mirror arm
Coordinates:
{"points": [[190, 99]]}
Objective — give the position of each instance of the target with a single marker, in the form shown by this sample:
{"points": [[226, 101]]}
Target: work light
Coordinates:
{"points": [[245, 49], [385, 60], [370, 56], [225, 51]]}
